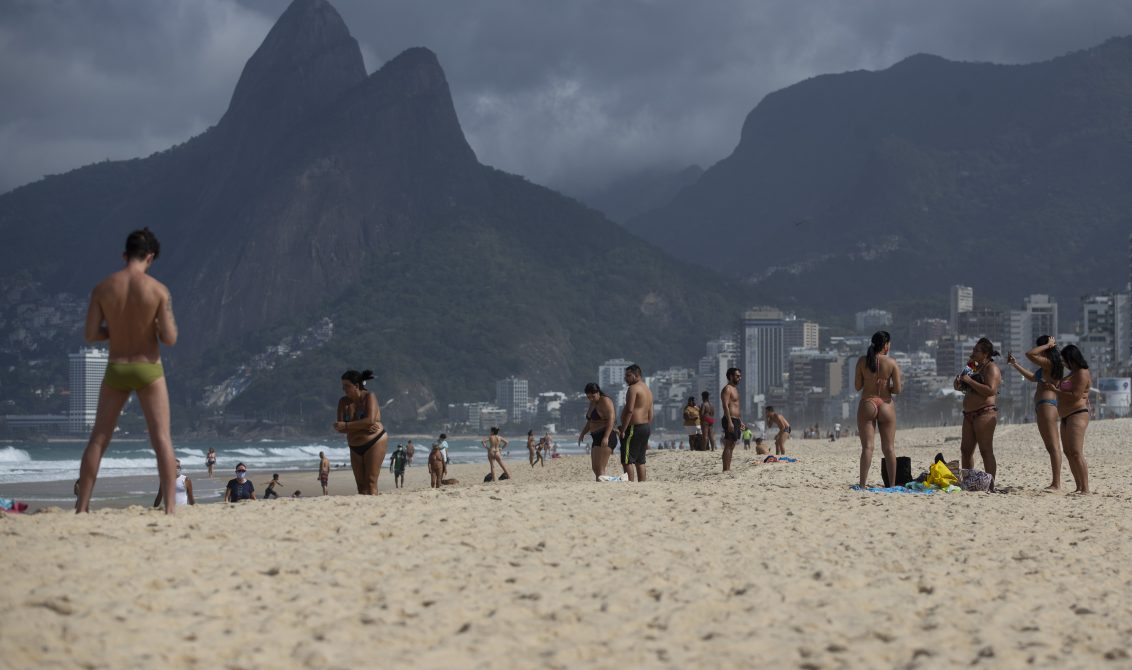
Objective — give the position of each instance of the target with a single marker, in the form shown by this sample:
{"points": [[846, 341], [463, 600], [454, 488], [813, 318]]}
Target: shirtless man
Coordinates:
{"points": [[135, 313], [636, 420], [435, 466], [707, 420], [773, 418], [732, 421], [494, 445], [324, 472]]}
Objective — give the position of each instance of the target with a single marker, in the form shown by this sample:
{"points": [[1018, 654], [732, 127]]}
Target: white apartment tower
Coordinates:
{"points": [[87, 367], [763, 353], [962, 300]]}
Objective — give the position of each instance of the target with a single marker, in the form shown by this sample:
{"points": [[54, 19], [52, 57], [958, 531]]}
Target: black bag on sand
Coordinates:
{"points": [[487, 478], [694, 442], [903, 471]]}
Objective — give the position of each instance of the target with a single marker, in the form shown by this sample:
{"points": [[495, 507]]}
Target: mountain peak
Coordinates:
{"points": [[307, 59]]}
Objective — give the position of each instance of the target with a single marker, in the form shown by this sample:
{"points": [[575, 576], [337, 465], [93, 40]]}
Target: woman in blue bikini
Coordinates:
{"points": [[359, 417], [1050, 369]]}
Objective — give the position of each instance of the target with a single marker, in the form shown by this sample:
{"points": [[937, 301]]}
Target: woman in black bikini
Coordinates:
{"points": [[1073, 407], [980, 414], [877, 378], [600, 417], [359, 417], [1050, 368]]}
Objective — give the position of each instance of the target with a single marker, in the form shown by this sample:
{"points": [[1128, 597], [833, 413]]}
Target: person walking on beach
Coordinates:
{"points": [[877, 378], [135, 313], [732, 418], [692, 420], [409, 451], [495, 445], [707, 422], [980, 413], [531, 445], [747, 435], [1050, 369], [359, 417], [240, 488], [773, 418], [636, 424], [600, 418], [435, 466], [324, 472], [182, 491], [1073, 408], [210, 461], [270, 492], [397, 464]]}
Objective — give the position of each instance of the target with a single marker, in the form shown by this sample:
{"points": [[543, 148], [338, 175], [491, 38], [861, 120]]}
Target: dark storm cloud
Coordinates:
{"points": [[568, 93]]}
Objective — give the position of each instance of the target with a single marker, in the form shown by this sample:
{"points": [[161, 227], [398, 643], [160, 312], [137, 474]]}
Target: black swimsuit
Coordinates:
{"points": [[362, 449]]}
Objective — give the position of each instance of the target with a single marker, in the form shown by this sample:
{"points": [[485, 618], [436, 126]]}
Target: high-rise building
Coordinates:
{"points": [[611, 374], [87, 367], [926, 330], [722, 354], [815, 378], [511, 395], [763, 354], [1098, 338], [962, 300], [985, 322], [1042, 310], [800, 334], [872, 320]]}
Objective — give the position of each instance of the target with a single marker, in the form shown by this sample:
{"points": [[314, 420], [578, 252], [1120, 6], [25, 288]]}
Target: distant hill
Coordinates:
{"points": [[641, 192], [326, 196], [849, 190]]}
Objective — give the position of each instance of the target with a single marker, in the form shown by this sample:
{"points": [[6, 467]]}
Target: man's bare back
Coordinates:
{"points": [[138, 314]]}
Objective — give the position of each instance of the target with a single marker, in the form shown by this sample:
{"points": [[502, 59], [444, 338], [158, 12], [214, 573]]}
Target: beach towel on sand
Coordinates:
{"points": [[892, 489], [606, 478]]}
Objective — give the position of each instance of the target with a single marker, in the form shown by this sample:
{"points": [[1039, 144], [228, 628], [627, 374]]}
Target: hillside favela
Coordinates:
{"points": [[496, 335]]}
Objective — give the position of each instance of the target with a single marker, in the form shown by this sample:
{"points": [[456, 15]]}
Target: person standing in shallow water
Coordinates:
{"points": [[877, 378], [980, 413], [1073, 408], [359, 417], [135, 313], [1050, 369]]}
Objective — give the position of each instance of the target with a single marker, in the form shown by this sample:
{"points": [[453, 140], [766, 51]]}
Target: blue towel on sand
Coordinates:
{"points": [[891, 489]]}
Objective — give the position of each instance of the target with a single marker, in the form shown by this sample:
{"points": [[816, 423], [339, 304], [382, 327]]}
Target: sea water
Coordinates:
{"points": [[22, 462]]}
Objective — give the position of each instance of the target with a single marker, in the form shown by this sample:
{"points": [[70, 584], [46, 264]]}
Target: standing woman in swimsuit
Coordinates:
{"points": [[531, 446], [1050, 368], [877, 378], [210, 461], [359, 417], [980, 413], [494, 445], [600, 417], [1073, 407]]}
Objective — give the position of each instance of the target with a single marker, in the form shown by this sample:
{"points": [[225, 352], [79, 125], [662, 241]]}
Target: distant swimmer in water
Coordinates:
{"points": [[732, 417], [495, 446], [135, 313], [359, 417], [773, 418], [980, 412], [636, 424], [877, 377], [600, 420]]}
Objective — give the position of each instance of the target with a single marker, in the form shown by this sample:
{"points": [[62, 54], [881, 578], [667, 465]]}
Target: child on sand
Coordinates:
{"points": [[435, 466]]}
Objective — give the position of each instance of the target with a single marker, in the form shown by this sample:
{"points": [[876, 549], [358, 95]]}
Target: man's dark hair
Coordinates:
{"points": [[142, 243], [494, 430], [705, 395], [770, 409], [444, 436], [731, 371], [635, 369]]}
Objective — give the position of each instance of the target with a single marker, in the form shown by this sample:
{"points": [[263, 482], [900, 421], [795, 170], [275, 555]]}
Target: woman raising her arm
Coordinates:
{"points": [[1051, 369], [1073, 408]]}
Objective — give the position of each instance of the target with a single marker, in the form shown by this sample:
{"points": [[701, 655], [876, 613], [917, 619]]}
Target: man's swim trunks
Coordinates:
{"points": [[732, 430], [132, 376], [634, 444]]}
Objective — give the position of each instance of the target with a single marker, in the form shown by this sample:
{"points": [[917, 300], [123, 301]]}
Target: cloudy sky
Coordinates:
{"points": [[569, 93]]}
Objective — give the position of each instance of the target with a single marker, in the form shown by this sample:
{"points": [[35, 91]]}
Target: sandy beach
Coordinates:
{"points": [[774, 564]]}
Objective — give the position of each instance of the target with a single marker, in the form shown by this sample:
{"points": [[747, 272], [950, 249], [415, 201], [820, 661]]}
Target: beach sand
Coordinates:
{"points": [[777, 564]]}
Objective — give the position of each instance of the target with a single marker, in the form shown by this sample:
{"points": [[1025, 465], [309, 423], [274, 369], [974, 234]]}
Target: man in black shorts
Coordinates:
{"points": [[636, 419], [732, 421]]}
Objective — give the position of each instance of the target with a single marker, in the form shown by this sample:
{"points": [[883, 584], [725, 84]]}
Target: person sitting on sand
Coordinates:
{"points": [[774, 418], [980, 411], [1050, 368], [297, 494], [495, 445], [759, 448], [183, 490], [324, 472], [397, 462], [435, 466], [270, 491], [877, 377], [1073, 408], [600, 419], [240, 488]]}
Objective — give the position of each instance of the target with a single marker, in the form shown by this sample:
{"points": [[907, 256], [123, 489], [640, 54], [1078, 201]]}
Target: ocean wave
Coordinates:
{"points": [[14, 455]]}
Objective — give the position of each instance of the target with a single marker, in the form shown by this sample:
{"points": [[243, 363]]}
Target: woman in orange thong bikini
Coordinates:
{"points": [[980, 413], [878, 379]]}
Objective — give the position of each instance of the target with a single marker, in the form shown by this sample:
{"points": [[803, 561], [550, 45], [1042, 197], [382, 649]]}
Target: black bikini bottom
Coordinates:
{"points": [[361, 450]]}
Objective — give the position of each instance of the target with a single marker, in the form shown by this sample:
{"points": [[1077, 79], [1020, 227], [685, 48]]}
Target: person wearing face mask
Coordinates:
{"points": [[240, 488], [182, 490]]}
